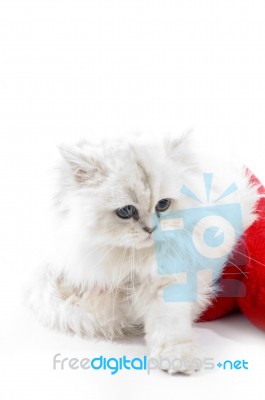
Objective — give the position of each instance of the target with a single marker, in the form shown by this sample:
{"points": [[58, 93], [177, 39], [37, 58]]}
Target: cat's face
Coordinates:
{"points": [[118, 187]]}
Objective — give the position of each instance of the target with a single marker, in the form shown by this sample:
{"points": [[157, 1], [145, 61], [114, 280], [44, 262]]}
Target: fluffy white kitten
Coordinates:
{"points": [[101, 277]]}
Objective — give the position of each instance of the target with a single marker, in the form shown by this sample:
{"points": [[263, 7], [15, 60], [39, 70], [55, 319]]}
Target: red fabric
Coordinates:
{"points": [[248, 279]]}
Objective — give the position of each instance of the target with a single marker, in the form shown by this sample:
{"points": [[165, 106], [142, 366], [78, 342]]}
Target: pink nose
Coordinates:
{"points": [[149, 230]]}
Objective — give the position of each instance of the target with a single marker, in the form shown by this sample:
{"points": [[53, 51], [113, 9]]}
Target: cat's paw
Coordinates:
{"points": [[181, 357]]}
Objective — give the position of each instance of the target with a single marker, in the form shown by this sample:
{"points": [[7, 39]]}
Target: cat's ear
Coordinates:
{"points": [[180, 149], [86, 168]]}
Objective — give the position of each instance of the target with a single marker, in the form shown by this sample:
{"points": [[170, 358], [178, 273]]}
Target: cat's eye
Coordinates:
{"points": [[127, 212], [163, 205]]}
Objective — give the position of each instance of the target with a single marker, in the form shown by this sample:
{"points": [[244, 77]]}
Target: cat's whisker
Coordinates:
{"points": [[250, 258], [102, 246], [120, 268]]}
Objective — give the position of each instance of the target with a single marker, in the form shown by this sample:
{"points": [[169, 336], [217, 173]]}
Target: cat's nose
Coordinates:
{"points": [[149, 230]]}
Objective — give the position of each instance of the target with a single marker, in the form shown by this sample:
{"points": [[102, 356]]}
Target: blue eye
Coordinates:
{"points": [[163, 205], [127, 212]]}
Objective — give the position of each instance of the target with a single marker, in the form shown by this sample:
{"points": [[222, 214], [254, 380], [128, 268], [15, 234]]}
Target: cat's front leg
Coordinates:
{"points": [[169, 335]]}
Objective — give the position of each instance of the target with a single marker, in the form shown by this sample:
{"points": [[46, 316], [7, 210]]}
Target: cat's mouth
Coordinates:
{"points": [[140, 241], [146, 242]]}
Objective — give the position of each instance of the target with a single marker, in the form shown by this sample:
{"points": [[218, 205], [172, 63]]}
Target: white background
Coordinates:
{"points": [[71, 69]]}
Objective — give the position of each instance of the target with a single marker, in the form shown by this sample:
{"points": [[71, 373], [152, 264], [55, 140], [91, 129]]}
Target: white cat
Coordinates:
{"points": [[101, 276]]}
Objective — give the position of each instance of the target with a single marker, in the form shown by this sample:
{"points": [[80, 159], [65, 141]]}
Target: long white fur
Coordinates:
{"points": [[100, 277]]}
